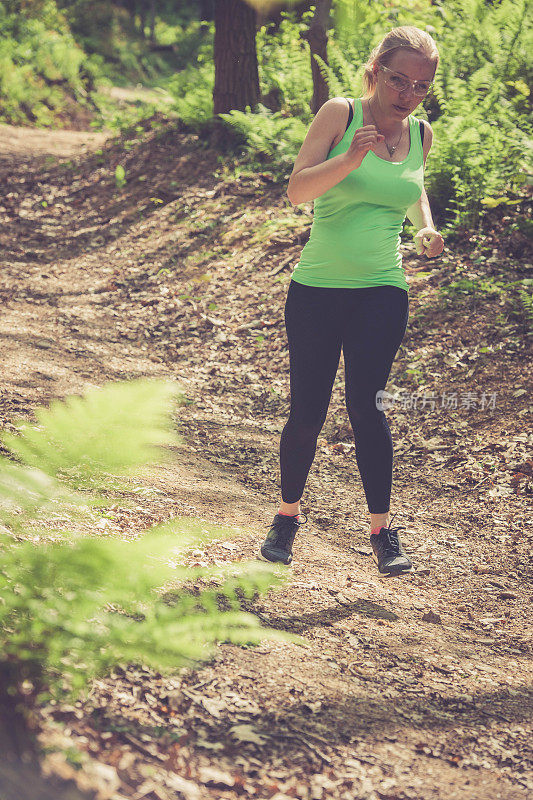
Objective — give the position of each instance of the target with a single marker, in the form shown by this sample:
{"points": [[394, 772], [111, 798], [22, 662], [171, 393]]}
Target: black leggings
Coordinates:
{"points": [[369, 323]]}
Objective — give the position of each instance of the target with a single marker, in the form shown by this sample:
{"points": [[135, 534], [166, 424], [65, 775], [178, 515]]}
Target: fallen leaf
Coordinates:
{"points": [[245, 733], [216, 777], [431, 616], [188, 789]]}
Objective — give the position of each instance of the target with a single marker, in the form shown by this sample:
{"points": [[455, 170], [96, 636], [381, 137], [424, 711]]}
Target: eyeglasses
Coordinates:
{"points": [[400, 83]]}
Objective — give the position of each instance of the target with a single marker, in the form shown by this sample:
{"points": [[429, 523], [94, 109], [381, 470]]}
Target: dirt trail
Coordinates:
{"points": [[381, 703], [28, 144]]}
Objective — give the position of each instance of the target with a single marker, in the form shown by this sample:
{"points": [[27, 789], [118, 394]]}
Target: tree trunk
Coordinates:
{"points": [[20, 781], [236, 71], [153, 4], [142, 18], [206, 10], [130, 6], [318, 42], [17, 736]]}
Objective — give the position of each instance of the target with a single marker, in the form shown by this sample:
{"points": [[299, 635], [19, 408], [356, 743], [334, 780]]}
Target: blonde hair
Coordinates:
{"points": [[404, 36]]}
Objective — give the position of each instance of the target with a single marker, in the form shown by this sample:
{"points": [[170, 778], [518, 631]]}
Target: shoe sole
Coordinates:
{"points": [[397, 571], [261, 557]]}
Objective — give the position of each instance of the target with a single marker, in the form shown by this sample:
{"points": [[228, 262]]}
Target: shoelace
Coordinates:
{"points": [[393, 545], [285, 533], [305, 520]]}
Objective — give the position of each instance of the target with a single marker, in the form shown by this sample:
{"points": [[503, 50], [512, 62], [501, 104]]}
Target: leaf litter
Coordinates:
{"points": [[409, 687]]}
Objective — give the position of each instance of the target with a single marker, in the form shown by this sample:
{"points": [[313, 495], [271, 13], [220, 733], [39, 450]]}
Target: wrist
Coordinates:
{"points": [[348, 162]]}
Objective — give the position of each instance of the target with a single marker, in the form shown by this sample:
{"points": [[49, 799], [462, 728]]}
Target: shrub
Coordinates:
{"points": [[73, 605]]}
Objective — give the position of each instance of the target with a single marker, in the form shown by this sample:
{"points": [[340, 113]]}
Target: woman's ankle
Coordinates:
{"points": [[289, 509], [378, 521]]}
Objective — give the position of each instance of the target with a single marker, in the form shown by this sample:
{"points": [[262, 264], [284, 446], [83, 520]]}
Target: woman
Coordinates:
{"points": [[362, 162]]}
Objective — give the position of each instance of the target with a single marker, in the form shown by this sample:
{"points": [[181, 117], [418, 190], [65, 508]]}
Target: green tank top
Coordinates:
{"points": [[355, 234]]}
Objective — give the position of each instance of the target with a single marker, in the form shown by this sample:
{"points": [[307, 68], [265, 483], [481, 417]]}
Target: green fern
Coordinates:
{"points": [[268, 133], [335, 86], [76, 605], [94, 434], [83, 606], [192, 89], [349, 72], [478, 124], [527, 304], [283, 62]]}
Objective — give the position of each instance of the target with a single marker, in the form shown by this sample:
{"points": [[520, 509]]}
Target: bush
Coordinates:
{"points": [[268, 136], [74, 604], [40, 63]]}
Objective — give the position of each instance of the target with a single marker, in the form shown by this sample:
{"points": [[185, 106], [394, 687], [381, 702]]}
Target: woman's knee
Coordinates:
{"points": [[304, 430], [365, 414]]}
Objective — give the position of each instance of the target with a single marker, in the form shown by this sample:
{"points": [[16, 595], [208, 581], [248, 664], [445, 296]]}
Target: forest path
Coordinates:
{"points": [[101, 284], [19, 143]]}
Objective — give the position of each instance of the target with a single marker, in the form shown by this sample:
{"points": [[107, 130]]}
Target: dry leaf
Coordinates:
{"points": [[245, 733]]}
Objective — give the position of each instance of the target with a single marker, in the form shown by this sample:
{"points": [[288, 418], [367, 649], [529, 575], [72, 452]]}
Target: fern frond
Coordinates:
{"points": [[527, 304], [110, 429], [58, 610]]}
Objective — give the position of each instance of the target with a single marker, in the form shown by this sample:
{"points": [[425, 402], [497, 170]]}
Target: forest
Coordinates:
{"points": [[148, 648]]}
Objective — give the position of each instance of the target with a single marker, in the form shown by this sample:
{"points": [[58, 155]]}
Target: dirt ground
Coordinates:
{"points": [[407, 688]]}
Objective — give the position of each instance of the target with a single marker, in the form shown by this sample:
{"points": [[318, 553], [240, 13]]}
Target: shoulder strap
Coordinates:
{"points": [[350, 115], [422, 128]]}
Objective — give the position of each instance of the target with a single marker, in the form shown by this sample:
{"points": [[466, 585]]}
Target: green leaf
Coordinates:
{"points": [[111, 429], [120, 175]]}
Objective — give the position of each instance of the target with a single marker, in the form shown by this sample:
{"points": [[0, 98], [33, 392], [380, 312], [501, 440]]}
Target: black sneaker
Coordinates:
{"points": [[278, 543], [389, 554]]}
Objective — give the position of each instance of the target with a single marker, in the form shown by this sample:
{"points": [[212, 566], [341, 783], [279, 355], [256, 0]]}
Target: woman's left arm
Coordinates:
{"points": [[427, 240]]}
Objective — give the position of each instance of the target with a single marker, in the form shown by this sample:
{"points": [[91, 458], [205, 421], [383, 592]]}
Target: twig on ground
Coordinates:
{"points": [[304, 741], [472, 488]]}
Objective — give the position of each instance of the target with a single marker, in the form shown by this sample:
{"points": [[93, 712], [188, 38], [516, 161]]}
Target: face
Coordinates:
{"points": [[413, 65]]}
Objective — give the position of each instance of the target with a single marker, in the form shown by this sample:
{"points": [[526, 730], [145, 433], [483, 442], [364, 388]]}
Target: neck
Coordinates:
{"points": [[386, 124]]}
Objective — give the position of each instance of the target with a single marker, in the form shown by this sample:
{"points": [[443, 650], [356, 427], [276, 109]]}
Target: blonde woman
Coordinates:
{"points": [[362, 162]]}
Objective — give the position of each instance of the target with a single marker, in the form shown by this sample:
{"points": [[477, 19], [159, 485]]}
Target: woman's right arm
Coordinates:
{"points": [[312, 174]]}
